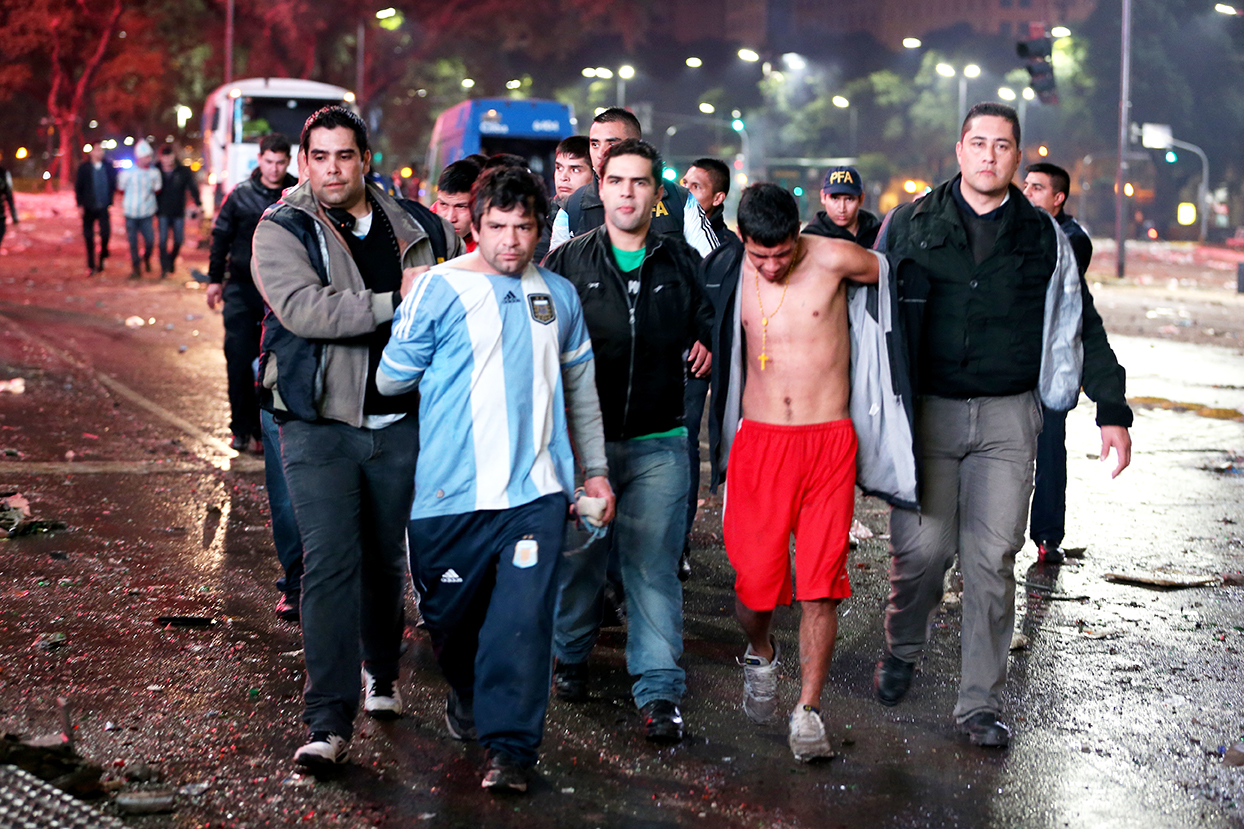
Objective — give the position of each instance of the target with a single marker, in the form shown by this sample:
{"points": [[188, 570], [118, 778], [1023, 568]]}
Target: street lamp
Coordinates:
{"points": [[852, 122], [969, 71], [1223, 8], [749, 55], [694, 62], [912, 43], [604, 73]]}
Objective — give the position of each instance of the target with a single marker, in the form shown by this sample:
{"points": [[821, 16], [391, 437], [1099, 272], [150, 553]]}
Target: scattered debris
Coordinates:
{"points": [[15, 386], [14, 508], [195, 789], [1104, 633], [1234, 756], [860, 531], [1233, 579], [1161, 577], [57, 764], [51, 641], [952, 599], [140, 772], [1019, 642], [186, 621], [147, 801]]}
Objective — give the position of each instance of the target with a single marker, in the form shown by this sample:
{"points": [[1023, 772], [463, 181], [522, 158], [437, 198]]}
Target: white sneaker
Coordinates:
{"points": [[807, 735], [381, 699], [760, 684], [323, 749]]}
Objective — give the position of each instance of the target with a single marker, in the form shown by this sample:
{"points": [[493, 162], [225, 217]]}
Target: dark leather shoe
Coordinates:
{"points": [[662, 721], [985, 729], [892, 679], [570, 681], [287, 608], [1050, 553], [238, 443]]}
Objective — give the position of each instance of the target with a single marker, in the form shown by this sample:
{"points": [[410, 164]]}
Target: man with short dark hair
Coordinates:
{"points": [[843, 216], [676, 214], [499, 352], [572, 166], [178, 183], [333, 260], [230, 284], [1047, 186], [781, 419], [708, 179], [644, 310], [453, 198], [94, 190], [988, 290]]}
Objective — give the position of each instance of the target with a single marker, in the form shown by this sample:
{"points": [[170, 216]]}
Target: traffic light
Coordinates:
{"points": [[1036, 54], [1171, 157]]}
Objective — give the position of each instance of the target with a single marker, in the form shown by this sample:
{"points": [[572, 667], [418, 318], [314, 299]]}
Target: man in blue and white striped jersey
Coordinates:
{"points": [[501, 356]]}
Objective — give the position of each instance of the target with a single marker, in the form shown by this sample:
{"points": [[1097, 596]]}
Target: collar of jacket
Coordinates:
{"points": [[257, 180], [939, 208], [602, 245], [407, 230], [591, 195]]}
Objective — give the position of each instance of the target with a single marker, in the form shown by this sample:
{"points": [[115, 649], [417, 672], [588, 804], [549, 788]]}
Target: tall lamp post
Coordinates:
{"points": [[604, 73], [969, 71]]}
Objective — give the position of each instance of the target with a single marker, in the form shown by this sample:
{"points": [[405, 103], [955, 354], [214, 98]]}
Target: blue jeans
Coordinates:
{"points": [[176, 227], [1049, 494], [351, 490], [133, 228], [285, 533], [649, 478]]}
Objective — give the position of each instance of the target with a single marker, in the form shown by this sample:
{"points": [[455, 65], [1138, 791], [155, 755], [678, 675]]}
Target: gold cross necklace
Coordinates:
{"points": [[764, 318]]}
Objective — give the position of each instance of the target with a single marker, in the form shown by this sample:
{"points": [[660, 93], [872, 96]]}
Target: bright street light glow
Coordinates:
{"points": [[514, 84], [1185, 214], [129, 140], [21, 153], [971, 71], [1028, 93], [1043, 151], [1006, 93], [912, 43], [385, 14], [626, 72], [794, 61], [840, 102], [604, 73], [707, 108], [1223, 8], [1060, 31], [86, 148], [670, 174], [737, 124], [348, 97], [695, 63], [748, 55], [945, 70], [467, 83], [589, 72], [183, 116]]}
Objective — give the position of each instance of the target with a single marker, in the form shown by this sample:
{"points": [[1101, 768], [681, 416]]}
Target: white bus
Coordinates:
{"points": [[237, 115]]}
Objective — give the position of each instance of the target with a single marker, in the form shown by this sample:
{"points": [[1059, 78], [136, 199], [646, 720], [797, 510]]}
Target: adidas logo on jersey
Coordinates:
{"points": [[509, 297], [451, 577]]}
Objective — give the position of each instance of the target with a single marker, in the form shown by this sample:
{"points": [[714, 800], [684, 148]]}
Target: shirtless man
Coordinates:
{"points": [[793, 464]]}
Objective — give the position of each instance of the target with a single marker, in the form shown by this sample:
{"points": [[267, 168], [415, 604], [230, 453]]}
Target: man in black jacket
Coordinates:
{"points": [[171, 207], [229, 273], [1047, 185], [94, 190], [973, 261], [644, 311], [844, 216]]}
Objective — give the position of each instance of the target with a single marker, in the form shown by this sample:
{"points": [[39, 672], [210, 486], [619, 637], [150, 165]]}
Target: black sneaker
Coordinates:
{"points": [[460, 717], [323, 750], [287, 608], [570, 681], [662, 721], [892, 679], [1048, 552], [504, 774], [985, 729], [381, 699]]}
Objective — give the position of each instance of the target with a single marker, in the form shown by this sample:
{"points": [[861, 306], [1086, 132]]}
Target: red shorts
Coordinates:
{"points": [[782, 480]]}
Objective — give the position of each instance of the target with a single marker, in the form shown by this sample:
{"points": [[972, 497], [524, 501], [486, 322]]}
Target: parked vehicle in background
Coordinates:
{"points": [[238, 114], [530, 128]]}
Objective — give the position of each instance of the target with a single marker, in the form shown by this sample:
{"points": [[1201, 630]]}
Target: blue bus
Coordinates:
{"points": [[529, 128]]}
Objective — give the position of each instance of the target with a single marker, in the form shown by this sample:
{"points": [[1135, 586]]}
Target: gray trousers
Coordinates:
{"points": [[977, 460]]}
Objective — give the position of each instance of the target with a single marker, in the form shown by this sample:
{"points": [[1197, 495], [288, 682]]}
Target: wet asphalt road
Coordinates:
{"points": [[1119, 705]]}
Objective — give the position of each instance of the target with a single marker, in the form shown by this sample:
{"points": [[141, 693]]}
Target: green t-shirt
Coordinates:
{"points": [[628, 260]]}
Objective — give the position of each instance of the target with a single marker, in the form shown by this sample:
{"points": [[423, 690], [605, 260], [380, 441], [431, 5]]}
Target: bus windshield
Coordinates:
{"points": [[261, 116]]}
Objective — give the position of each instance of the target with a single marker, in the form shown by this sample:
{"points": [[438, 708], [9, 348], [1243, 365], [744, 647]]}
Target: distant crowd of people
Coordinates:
{"points": [[499, 401]]}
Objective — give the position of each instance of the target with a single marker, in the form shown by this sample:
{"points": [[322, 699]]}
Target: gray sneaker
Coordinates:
{"points": [[807, 735], [760, 684]]}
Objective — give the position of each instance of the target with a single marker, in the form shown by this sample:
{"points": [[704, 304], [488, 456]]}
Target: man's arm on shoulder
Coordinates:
{"points": [[306, 307], [843, 259]]}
